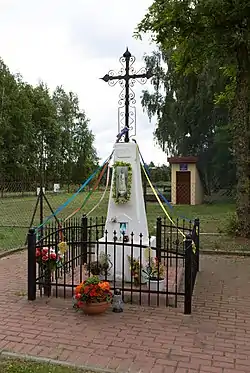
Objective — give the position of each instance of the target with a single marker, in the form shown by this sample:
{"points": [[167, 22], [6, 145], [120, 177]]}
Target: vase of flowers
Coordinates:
{"points": [[136, 271], [155, 274], [48, 260], [100, 267], [92, 296]]}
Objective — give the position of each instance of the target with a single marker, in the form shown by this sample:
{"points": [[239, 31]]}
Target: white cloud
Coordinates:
{"points": [[74, 44]]}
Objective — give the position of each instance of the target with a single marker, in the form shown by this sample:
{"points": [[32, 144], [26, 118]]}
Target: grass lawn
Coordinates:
{"points": [[18, 366], [16, 213]]}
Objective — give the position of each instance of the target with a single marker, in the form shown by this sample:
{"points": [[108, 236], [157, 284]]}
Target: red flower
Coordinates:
{"points": [[53, 256], [86, 289], [45, 251], [93, 293], [38, 252], [45, 258], [78, 296]]}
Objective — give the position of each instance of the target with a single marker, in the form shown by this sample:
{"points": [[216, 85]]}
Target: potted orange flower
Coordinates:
{"points": [[92, 296]]}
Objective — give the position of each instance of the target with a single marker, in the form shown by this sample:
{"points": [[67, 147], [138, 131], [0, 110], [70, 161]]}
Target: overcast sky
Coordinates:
{"points": [[74, 43]]}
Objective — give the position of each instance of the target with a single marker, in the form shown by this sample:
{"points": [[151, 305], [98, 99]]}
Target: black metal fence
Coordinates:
{"points": [[121, 260]]}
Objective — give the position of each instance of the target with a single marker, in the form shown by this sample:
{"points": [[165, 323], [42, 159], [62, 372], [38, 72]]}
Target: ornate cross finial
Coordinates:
{"points": [[127, 78]]}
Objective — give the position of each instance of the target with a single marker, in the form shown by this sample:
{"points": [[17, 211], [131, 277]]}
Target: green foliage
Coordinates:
{"points": [[200, 34], [159, 174], [16, 366], [36, 124], [126, 198], [185, 105], [231, 225], [227, 96]]}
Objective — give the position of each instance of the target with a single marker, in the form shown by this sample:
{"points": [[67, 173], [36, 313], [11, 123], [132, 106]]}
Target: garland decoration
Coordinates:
{"points": [[126, 197]]}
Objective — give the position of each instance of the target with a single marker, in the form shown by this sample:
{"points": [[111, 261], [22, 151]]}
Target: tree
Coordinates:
{"points": [[186, 105], [42, 134], [77, 156], [200, 31]]}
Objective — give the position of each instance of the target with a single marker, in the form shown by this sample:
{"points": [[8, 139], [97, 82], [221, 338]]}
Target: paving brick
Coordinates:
{"points": [[223, 364], [235, 371], [186, 365], [169, 370], [140, 367], [157, 369], [166, 362], [209, 369], [123, 364], [214, 339], [98, 361], [12, 338]]}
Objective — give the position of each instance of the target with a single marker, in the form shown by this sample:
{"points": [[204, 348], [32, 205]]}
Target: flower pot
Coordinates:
{"points": [[137, 282], [154, 285], [94, 308]]}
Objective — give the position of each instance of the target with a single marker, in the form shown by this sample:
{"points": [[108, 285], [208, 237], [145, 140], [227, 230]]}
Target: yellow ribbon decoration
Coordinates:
{"points": [[164, 210]]}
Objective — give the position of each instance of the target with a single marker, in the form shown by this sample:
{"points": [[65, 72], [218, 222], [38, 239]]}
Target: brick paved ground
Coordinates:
{"points": [[215, 339]]}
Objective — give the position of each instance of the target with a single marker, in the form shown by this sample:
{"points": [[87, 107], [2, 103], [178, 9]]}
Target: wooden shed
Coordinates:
{"points": [[186, 186]]}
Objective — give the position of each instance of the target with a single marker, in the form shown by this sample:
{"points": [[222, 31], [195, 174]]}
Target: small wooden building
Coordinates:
{"points": [[186, 186]]}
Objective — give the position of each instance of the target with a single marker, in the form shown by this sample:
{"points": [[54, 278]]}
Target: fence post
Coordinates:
{"points": [[31, 264], [188, 275], [84, 239], [197, 242], [158, 238]]}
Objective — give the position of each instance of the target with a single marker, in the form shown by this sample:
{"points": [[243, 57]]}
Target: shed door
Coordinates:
{"points": [[183, 188]]}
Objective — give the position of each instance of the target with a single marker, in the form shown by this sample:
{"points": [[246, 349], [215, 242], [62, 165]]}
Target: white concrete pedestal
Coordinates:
{"points": [[132, 213]]}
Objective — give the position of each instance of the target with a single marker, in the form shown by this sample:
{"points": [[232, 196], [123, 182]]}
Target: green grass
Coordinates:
{"points": [[18, 366], [18, 212]]}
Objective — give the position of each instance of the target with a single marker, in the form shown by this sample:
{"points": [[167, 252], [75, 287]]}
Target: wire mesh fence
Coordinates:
{"points": [[18, 200]]}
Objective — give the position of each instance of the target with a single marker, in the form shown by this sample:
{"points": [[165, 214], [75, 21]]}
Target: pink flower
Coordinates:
{"points": [[45, 251], [45, 258], [38, 252], [53, 256], [78, 296]]}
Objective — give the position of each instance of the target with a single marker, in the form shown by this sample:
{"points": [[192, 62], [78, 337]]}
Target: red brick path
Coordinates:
{"points": [[214, 339]]}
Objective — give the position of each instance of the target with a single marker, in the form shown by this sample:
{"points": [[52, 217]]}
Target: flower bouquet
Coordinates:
{"points": [[48, 259], [100, 267], [155, 273], [136, 270], [92, 296]]}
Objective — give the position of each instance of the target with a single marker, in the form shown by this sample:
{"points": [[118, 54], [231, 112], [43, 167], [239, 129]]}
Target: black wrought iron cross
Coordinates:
{"points": [[127, 78]]}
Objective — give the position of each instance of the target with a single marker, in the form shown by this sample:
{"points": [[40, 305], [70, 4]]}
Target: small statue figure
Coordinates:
{"points": [[117, 301], [122, 188], [123, 228]]}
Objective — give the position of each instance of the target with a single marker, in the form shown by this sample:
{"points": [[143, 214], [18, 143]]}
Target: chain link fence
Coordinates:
{"points": [[18, 201]]}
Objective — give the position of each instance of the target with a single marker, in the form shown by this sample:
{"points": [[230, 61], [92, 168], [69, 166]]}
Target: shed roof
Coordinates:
{"points": [[178, 160]]}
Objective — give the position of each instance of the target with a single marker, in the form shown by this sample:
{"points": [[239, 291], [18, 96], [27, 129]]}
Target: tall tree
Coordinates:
{"points": [[38, 129], [185, 105], [201, 30], [77, 153]]}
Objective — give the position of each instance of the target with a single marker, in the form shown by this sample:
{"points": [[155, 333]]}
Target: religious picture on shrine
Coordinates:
{"points": [[123, 229], [121, 181]]}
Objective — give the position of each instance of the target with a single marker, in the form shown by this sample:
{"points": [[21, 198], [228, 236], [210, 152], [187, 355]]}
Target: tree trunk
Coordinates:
{"points": [[240, 116]]}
